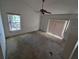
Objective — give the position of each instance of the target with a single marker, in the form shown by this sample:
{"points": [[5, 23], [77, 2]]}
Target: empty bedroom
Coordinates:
{"points": [[38, 29]]}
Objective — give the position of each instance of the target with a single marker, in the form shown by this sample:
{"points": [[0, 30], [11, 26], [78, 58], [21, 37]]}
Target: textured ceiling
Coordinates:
{"points": [[55, 6]]}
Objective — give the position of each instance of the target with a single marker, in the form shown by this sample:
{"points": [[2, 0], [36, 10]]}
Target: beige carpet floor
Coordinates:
{"points": [[34, 46]]}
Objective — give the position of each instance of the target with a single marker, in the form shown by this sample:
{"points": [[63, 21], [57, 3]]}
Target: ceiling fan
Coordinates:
{"points": [[42, 10]]}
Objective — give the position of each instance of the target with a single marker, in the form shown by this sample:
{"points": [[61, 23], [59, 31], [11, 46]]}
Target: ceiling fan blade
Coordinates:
{"points": [[47, 12]]}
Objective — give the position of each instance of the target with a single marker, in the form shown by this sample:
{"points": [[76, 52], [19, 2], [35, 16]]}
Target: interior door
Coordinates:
{"points": [[2, 38]]}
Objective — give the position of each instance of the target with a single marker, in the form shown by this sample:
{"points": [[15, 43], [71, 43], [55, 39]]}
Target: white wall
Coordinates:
{"points": [[43, 22], [73, 26], [30, 19]]}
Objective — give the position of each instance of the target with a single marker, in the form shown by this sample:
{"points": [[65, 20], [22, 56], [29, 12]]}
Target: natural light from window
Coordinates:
{"points": [[57, 28], [14, 22]]}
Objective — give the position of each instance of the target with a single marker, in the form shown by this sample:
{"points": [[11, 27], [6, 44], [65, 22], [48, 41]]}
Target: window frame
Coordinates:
{"points": [[20, 22], [63, 30]]}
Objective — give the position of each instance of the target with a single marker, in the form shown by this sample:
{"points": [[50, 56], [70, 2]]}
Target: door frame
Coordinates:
{"points": [[2, 38]]}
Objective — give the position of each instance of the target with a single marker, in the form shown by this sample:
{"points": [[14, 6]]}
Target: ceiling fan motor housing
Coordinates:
{"points": [[42, 11]]}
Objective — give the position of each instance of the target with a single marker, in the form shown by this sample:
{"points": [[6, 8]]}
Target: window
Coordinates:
{"points": [[57, 28], [14, 22]]}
